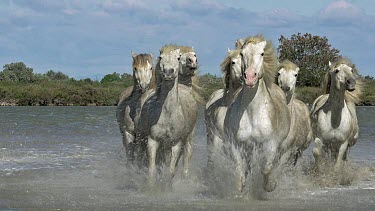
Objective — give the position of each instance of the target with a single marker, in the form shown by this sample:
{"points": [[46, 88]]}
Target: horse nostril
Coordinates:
{"points": [[255, 74], [244, 75], [169, 71], [190, 60]]}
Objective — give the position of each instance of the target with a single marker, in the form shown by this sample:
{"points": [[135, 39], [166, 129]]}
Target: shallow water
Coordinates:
{"points": [[72, 158]]}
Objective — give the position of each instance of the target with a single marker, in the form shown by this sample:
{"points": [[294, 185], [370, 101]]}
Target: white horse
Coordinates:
{"points": [[334, 116], [168, 118], [300, 133], [132, 99], [258, 120], [216, 107]]}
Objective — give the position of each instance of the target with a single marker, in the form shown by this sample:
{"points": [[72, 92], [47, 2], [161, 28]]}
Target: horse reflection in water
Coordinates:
{"points": [[333, 114], [258, 120], [133, 98], [168, 119], [300, 132]]}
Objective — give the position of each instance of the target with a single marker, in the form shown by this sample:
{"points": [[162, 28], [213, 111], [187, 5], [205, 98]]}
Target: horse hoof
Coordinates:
{"points": [[270, 186]]}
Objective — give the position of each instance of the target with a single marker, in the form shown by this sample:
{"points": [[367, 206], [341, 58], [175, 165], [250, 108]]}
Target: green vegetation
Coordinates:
{"points": [[310, 53], [20, 86]]}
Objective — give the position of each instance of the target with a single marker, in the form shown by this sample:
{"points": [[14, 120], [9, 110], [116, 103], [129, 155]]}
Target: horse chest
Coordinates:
{"points": [[335, 127], [169, 125], [255, 126]]}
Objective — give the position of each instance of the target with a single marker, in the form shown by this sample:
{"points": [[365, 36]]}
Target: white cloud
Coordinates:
{"points": [[280, 17], [342, 13], [99, 35]]}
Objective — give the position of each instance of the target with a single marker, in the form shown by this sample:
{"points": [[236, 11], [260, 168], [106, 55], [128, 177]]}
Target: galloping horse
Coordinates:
{"points": [[333, 114], [300, 132], [132, 99], [219, 101], [258, 120], [168, 118], [188, 76]]}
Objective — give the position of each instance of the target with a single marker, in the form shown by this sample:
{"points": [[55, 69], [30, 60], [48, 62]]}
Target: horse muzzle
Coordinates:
{"points": [[350, 84], [169, 74], [250, 78], [285, 88]]}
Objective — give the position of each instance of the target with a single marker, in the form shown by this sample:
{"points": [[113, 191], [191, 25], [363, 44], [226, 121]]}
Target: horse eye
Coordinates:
{"points": [[278, 74], [233, 62], [295, 75], [178, 58], [337, 70], [135, 68], [262, 54]]}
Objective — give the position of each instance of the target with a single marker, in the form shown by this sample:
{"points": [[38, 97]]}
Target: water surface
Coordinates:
{"points": [[72, 158]]}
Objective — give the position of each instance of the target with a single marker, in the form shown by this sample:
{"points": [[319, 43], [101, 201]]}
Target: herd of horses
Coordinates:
{"points": [[254, 120]]}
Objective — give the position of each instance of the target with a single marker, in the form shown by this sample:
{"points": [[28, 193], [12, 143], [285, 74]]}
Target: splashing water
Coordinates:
{"points": [[72, 158]]}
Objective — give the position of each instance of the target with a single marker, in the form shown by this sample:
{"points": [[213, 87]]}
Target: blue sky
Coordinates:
{"points": [[91, 38]]}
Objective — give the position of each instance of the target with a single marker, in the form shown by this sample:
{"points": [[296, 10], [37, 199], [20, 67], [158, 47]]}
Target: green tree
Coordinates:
{"points": [[127, 79], [17, 72], [114, 77], [310, 53], [59, 76]]}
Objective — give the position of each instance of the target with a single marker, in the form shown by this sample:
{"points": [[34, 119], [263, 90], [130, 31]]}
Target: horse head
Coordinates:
{"points": [[190, 63], [235, 66], [342, 76], [252, 62], [287, 76], [169, 64], [142, 70]]}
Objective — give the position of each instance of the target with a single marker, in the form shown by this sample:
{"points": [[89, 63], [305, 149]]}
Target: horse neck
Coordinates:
{"points": [[185, 79], [168, 90], [336, 104], [136, 89], [289, 95], [255, 94], [336, 98], [231, 91]]}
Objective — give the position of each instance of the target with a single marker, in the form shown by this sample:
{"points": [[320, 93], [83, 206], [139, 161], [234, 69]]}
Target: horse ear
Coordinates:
{"points": [[134, 54], [263, 44], [228, 50], [239, 43], [329, 63], [192, 47], [151, 55], [297, 69]]}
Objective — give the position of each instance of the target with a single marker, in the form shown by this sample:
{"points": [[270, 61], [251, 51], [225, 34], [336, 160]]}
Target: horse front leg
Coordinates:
{"points": [[176, 153], [340, 156], [239, 171], [318, 154], [188, 152], [152, 147], [269, 184], [215, 151], [128, 142]]}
